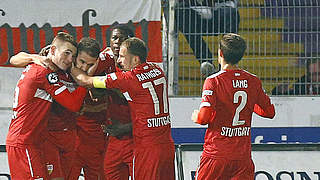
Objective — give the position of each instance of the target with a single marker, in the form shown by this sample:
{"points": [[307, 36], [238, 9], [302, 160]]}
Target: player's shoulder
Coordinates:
{"points": [[37, 70], [251, 75], [148, 67], [217, 74]]}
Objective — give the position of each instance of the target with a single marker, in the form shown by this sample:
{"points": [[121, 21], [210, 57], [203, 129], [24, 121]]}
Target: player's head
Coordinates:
{"points": [[119, 34], [231, 48], [133, 52], [63, 50], [88, 53]]}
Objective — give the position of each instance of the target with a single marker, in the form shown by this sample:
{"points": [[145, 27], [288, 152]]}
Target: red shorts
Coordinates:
{"points": [[26, 163], [59, 152], [223, 169], [154, 162], [89, 155], [118, 159]]}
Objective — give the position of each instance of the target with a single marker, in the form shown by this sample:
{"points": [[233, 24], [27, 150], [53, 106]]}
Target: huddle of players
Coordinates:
{"points": [[59, 127], [48, 141]]}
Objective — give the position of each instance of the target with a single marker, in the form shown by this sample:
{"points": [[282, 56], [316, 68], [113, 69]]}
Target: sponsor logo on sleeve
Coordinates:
{"points": [[52, 78], [207, 93]]}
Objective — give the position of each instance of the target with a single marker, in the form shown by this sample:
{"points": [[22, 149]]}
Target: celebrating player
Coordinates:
{"points": [[91, 143], [144, 86], [34, 95], [229, 98], [119, 152]]}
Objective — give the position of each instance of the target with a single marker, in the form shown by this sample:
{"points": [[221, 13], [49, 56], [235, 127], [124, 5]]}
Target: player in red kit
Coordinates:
{"points": [[229, 98], [119, 152], [145, 88], [34, 94], [91, 142]]}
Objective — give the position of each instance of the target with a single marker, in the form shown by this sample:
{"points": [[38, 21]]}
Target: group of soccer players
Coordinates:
{"points": [[58, 127], [108, 113]]}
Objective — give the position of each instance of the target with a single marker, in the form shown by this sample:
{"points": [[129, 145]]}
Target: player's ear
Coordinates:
{"points": [[136, 60], [220, 53], [53, 48]]}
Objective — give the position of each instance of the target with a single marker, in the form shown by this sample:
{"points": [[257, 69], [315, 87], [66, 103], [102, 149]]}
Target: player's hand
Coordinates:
{"points": [[117, 129], [45, 51], [93, 108], [194, 115], [104, 129], [93, 68]]}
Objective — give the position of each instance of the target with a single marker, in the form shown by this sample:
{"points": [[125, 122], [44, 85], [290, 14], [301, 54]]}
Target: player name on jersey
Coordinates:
{"points": [[240, 131], [148, 75], [240, 83], [160, 121]]}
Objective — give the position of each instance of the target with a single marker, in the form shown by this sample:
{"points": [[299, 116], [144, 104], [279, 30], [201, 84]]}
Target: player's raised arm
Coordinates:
{"points": [[22, 59], [58, 91]]}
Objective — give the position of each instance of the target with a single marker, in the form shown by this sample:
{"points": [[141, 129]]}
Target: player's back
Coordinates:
{"points": [[234, 94], [150, 105]]}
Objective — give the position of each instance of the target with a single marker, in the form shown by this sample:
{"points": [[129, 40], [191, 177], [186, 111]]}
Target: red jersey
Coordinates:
{"points": [[34, 93], [145, 88], [232, 94], [90, 122], [61, 118]]}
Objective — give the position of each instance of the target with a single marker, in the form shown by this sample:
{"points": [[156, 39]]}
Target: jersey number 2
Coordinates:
{"points": [[154, 95], [236, 121]]}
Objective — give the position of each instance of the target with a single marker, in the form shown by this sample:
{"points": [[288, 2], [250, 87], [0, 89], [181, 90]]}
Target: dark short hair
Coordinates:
{"points": [[136, 47], [124, 29], [90, 46], [233, 47], [66, 37]]}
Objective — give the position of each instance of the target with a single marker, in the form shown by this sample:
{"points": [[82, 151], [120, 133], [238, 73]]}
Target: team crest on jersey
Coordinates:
{"points": [[50, 168], [52, 78]]}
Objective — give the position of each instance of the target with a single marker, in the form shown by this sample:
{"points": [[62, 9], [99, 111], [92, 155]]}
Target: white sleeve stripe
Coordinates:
{"points": [[205, 104], [58, 91], [113, 76], [42, 94]]}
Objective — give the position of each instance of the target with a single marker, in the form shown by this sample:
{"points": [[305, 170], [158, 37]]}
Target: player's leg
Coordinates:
{"points": [[75, 170], [243, 170], [212, 169], [67, 143], [118, 159], [26, 163], [127, 155], [52, 160], [93, 155], [154, 162], [115, 169]]}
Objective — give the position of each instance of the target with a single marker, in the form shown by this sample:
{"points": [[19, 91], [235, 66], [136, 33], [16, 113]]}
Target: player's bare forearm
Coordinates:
{"points": [[22, 59], [117, 129], [81, 77]]}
